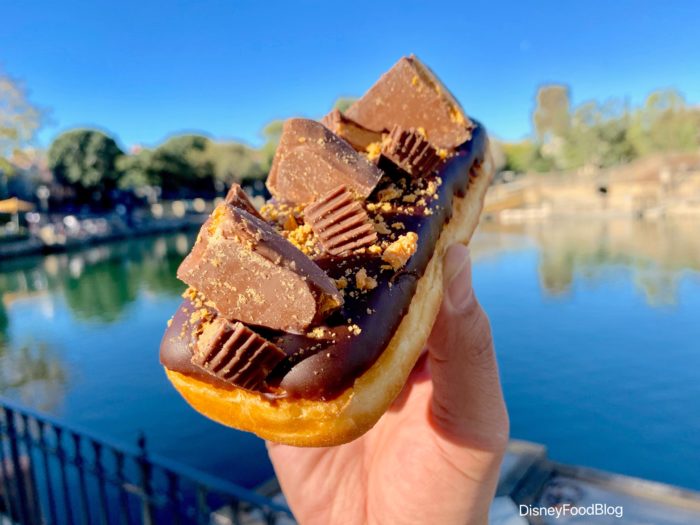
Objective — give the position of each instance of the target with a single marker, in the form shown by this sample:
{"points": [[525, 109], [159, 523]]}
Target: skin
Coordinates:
{"points": [[434, 457]]}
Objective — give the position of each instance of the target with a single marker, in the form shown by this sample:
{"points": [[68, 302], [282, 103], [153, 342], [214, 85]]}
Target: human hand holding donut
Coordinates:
{"points": [[434, 457]]}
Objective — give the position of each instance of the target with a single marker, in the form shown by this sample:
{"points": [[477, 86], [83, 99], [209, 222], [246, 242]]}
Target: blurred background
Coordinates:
{"points": [[122, 123]]}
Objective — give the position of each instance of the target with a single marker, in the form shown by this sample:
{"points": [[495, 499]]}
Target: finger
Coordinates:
{"points": [[467, 403], [419, 374]]}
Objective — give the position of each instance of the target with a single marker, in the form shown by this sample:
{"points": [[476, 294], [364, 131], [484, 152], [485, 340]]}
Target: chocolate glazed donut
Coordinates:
{"points": [[302, 321]]}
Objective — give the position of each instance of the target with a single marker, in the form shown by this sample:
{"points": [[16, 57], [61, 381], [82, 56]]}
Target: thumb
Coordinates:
{"points": [[467, 403]]}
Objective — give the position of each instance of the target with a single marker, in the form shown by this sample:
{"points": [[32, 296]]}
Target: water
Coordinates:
{"points": [[597, 327], [81, 335]]}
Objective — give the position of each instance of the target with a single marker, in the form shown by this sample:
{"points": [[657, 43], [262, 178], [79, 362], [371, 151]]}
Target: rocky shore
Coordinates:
{"points": [[655, 187]]}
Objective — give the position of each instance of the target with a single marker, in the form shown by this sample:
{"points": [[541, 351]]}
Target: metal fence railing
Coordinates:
{"points": [[54, 475]]}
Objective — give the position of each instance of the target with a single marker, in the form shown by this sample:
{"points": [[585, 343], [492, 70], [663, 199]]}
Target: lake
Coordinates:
{"points": [[597, 328]]}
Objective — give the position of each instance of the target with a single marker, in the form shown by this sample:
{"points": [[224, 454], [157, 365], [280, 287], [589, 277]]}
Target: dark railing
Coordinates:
{"points": [[51, 474]]}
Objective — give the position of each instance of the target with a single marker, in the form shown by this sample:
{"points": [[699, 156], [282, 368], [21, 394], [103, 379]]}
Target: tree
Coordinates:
{"points": [[551, 115], [519, 155], [665, 123], [137, 170], [181, 164], [20, 120], [233, 162], [598, 136], [343, 103], [272, 133], [85, 159]]}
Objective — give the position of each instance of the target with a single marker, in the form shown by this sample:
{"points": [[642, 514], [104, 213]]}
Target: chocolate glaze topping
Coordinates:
{"points": [[325, 361]]}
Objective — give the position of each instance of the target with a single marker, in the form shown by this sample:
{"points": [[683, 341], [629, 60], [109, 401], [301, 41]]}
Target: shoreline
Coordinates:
{"points": [[33, 245]]}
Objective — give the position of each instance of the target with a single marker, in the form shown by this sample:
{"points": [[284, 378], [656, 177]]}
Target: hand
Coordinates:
{"points": [[434, 457]]}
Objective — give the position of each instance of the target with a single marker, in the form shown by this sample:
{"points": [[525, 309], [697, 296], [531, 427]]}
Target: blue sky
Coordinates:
{"points": [[145, 70]]}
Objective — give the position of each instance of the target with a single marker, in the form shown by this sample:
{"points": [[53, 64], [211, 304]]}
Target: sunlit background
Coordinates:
{"points": [[121, 123]]}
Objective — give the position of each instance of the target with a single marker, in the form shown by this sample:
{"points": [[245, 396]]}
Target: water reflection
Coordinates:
{"points": [[97, 284], [4, 323], [100, 282], [655, 253], [33, 373]]}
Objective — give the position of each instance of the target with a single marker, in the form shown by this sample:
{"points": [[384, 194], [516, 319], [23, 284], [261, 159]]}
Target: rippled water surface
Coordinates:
{"points": [[597, 326]]}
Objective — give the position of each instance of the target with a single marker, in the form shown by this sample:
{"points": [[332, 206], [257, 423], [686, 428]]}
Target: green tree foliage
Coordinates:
{"points": [[180, 166], [602, 134], [525, 156], [665, 123], [343, 103], [272, 133], [85, 159], [136, 170], [190, 164], [598, 136], [233, 162], [519, 155]]}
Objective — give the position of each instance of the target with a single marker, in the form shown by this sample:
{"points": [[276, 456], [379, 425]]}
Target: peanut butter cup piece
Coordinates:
{"points": [[234, 353], [311, 160], [238, 198], [408, 149], [358, 136], [411, 96], [340, 222], [249, 272]]}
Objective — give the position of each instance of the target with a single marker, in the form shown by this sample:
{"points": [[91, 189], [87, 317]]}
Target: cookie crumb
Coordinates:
{"points": [[381, 227], [364, 281], [388, 194], [400, 251], [290, 224], [317, 333]]}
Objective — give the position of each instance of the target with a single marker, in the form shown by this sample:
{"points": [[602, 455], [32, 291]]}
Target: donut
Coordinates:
{"points": [[302, 320]]}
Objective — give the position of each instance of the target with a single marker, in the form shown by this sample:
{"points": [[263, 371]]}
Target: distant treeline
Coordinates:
{"points": [[90, 161], [600, 135]]}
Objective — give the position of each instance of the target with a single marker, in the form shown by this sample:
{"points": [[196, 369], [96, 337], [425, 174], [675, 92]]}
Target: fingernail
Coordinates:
{"points": [[458, 277]]}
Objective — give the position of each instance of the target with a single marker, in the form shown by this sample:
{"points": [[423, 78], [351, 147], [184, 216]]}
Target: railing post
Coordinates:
{"points": [[79, 463], [124, 511], [35, 509], [48, 481], [17, 473], [6, 486], [202, 505], [145, 470], [61, 455], [174, 497], [103, 510]]}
